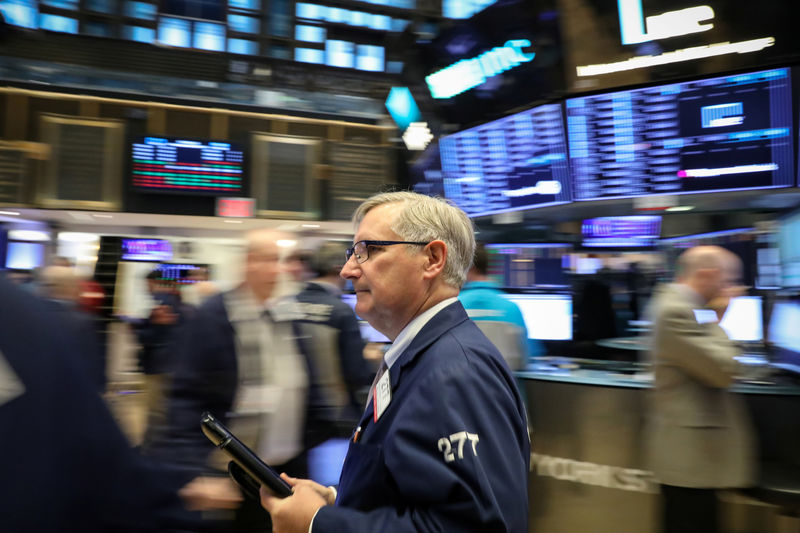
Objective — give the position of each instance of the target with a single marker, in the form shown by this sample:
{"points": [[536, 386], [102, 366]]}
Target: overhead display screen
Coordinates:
{"points": [[621, 232], [170, 164], [613, 43], [719, 134], [517, 162]]}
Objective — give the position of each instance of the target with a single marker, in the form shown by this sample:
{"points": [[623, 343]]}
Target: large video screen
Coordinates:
{"points": [[719, 134], [188, 166], [517, 162]]}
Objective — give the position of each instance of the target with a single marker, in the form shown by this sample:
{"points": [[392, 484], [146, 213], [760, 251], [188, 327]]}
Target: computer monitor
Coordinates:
{"points": [[368, 333], [547, 316], [743, 319], [24, 255], [784, 335]]}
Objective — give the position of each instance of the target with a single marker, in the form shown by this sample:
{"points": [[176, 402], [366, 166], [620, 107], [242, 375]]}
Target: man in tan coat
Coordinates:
{"points": [[699, 437]]}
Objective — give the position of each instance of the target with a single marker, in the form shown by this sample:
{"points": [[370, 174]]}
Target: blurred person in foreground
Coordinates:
{"points": [[443, 443], [61, 288], [699, 437], [500, 319], [66, 465], [157, 336], [243, 358], [333, 328]]}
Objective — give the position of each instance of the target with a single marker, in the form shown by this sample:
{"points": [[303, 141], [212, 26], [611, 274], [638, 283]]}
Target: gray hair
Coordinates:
{"points": [[426, 218]]}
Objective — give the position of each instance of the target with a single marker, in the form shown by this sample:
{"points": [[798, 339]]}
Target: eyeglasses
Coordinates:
{"points": [[361, 248]]}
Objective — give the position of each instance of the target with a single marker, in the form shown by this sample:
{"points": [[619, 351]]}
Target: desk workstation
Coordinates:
{"points": [[586, 419]]}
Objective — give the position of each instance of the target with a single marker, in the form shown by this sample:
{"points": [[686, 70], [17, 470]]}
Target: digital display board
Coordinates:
{"points": [[621, 232], [170, 164], [517, 162], [146, 250], [719, 134]]}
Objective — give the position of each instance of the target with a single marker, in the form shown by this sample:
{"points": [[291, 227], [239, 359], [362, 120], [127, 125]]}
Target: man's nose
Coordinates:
{"points": [[349, 269]]}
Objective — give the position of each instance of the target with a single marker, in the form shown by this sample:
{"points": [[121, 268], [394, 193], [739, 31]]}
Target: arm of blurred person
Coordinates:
{"points": [[204, 493], [703, 351]]}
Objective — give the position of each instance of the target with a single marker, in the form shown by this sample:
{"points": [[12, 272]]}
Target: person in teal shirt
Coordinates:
{"points": [[484, 301]]}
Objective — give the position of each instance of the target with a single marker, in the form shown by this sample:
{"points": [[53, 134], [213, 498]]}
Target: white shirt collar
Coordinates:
{"points": [[410, 331]]}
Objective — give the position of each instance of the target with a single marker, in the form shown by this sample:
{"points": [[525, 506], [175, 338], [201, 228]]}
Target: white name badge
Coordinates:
{"points": [[382, 396]]}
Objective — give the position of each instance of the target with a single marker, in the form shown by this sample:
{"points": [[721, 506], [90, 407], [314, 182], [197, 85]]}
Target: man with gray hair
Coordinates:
{"points": [[242, 357], [698, 435], [443, 442]]}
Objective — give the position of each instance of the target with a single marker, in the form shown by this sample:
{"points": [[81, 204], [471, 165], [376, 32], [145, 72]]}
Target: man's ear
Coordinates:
{"points": [[436, 253]]}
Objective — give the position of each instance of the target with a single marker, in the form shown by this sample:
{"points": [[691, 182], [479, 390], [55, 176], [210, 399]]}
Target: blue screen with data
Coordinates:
{"points": [[719, 134], [517, 162]]}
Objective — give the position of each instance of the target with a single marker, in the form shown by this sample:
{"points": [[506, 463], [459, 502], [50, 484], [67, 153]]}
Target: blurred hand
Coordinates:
{"points": [[720, 302], [162, 315], [294, 514], [206, 492]]}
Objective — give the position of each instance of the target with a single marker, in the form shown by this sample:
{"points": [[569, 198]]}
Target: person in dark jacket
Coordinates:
{"points": [[66, 466], [61, 289], [243, 358], [443, 443], [331, 323]]}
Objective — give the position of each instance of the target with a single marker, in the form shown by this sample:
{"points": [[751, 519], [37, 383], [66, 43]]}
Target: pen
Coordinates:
{"points": [[357, 434]]}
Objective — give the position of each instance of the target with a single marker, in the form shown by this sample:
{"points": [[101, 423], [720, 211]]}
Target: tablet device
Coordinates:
{"points": [[245, 463]]}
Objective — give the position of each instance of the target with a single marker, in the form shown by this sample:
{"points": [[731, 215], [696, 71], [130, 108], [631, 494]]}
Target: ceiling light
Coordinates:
{"points": [[28, 235], [310, 225], [10, 213], [286, 243], [233, 221], [677, 208], [102, 216]]}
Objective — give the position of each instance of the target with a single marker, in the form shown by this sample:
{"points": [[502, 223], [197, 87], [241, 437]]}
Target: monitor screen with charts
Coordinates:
{"points": [[717, 134]]}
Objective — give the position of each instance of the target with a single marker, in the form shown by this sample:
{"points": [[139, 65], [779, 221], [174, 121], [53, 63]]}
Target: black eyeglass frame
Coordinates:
{"points": [[348, 253]]}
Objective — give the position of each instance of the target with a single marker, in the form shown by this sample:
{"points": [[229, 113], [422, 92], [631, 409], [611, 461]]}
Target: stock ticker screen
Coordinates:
{"points": [[718, 134], [169, 164], [517, 162]]}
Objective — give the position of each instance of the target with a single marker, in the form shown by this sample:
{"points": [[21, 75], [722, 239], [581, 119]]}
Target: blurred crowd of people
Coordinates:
{"points": [[283, 388]]}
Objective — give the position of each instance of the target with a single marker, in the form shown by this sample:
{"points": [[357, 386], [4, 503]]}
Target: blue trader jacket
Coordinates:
{"points": [[451, 450]]}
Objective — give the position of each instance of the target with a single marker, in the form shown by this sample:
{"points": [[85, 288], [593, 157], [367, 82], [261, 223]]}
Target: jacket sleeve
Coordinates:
{"points": [[457, 456], [701, 350]]}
